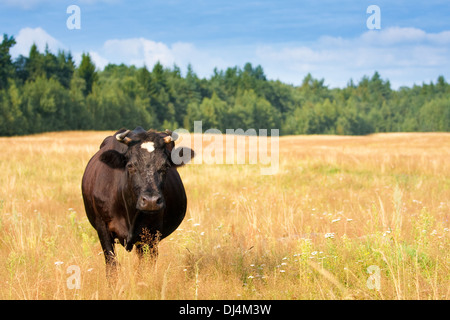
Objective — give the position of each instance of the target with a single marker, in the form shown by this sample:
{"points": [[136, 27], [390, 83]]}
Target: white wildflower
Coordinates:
{"points": [[329, 235]]}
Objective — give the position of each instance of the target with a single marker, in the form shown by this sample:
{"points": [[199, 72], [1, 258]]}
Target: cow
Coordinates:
{"points": [[132, 191]]}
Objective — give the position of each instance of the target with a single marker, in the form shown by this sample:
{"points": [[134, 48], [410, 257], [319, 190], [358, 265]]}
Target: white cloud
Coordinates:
{"points": [[403, 55], [27, 36], [141, 51], [98, 60], [138, 51]]}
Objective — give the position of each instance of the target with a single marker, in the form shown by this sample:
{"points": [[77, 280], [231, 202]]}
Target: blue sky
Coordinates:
{"points": [[329, 39]]}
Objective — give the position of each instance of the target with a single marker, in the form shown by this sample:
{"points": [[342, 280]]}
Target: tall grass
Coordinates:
{"points": [[337, 206]]}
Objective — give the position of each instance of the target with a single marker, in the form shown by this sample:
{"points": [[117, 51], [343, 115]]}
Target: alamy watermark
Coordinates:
{"points": [[74, 280], [374, 280], [374, 20], [236, 147], [74, 20]]}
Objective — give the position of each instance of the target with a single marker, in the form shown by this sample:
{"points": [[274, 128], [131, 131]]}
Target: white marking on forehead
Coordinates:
{"points": [[149, 146]]}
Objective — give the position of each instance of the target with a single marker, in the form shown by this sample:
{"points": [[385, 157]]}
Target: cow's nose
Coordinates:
{"points": [[150, 203]]}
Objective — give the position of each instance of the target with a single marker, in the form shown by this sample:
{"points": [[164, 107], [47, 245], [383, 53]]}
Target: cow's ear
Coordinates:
{"points": [[114, 159], [181, 155]]}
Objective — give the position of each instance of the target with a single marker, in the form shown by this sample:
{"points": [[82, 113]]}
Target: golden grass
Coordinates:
{"points": [[337, 206]]}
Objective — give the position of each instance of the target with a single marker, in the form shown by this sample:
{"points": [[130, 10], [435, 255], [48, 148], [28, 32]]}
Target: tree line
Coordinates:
{"points": [[49, 92]]}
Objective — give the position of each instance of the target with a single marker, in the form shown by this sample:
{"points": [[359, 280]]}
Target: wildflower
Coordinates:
{"points": [[329, 235], [282, 271], [314, 253], [250, 277]]}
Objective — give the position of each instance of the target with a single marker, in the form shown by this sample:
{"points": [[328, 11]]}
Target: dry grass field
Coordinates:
{"points": [[343, 218]]}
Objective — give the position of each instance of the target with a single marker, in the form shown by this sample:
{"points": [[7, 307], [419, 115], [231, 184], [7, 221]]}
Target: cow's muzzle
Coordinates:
{"points": [[150, 203]]}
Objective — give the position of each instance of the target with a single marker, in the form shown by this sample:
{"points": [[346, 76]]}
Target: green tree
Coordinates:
{"points": [[12, 121], [6, 64], [212, 112], [435, 115], [86, 71]]}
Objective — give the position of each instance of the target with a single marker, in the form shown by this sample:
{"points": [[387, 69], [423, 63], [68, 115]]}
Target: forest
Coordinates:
{"points": [[49, 92]]}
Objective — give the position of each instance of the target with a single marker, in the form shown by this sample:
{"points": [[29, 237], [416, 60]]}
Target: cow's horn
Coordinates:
{"points": [[172, 136], [121, 136]]}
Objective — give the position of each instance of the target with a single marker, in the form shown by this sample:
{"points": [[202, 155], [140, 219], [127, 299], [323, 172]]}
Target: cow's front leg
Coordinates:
{"points": [[107, 242]]}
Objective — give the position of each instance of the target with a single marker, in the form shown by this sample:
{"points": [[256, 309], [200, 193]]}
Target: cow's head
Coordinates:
{"points": [[145, 162]]}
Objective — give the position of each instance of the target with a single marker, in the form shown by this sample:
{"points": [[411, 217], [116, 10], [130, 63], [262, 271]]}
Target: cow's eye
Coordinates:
{"points": [[130, 166]]}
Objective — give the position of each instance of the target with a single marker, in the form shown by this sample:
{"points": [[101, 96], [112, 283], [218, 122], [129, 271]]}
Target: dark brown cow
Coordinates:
{"points": [[132, 190]]}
